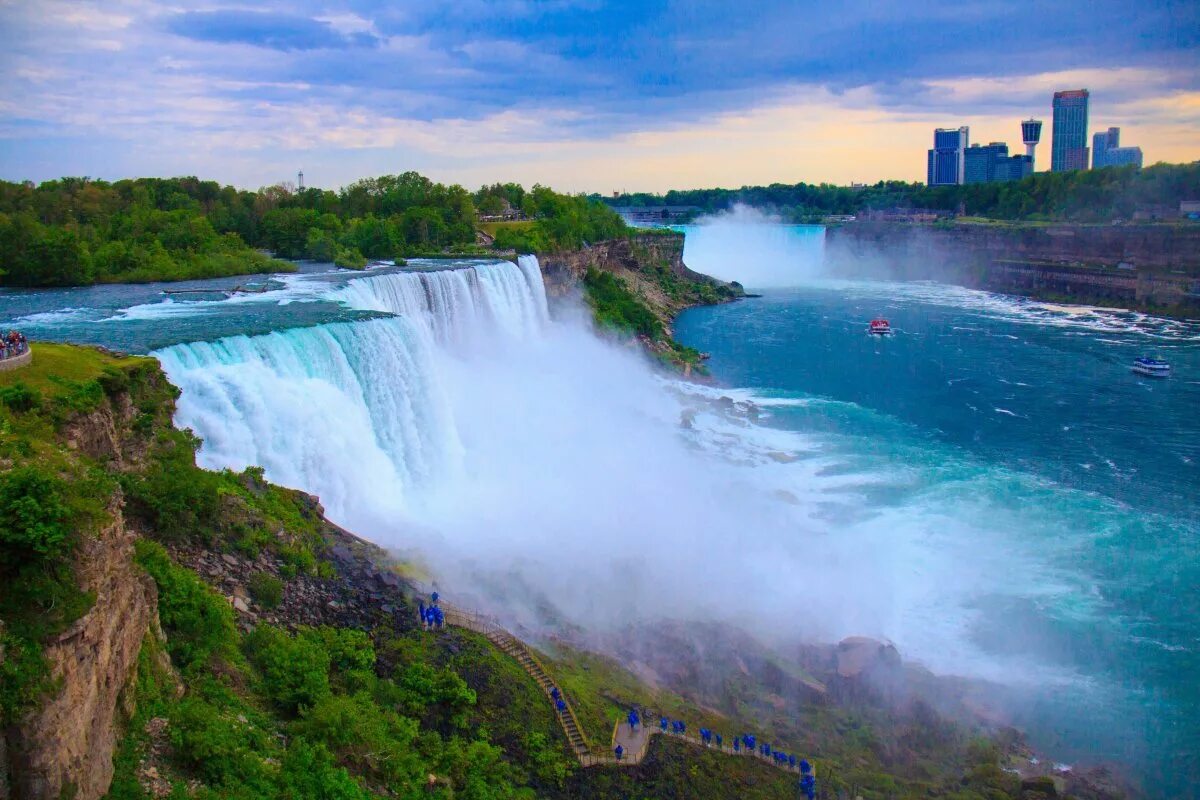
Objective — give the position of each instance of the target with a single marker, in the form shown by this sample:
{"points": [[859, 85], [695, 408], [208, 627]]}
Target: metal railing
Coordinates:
{"points": [[491, 628]]}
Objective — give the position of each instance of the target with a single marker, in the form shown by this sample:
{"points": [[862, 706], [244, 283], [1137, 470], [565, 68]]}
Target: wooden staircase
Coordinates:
{"points": [[519, 651], [523, 655]]}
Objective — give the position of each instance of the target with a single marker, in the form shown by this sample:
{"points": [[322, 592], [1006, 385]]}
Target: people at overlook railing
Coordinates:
{"points": [[14, 344]]}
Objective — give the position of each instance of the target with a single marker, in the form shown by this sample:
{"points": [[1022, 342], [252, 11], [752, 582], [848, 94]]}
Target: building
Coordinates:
{"points": [[1068, 139], [987, 163], [1014, 168], [946, 162], [1031, 134], [981, 161], [1107, 151]]}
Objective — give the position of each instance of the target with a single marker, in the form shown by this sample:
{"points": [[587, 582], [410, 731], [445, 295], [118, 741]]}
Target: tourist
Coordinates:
{"points": [[620, 751], [561, 706], [737, 745], [554, 692], [662, 723], [720, 741], [634, 719]]}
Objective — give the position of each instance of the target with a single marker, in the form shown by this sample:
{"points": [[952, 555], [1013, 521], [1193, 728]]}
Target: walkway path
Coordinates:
{"points": [[635, 743]]}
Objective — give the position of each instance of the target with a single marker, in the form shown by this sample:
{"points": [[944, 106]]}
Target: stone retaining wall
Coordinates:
{"points": [[16, 362]]}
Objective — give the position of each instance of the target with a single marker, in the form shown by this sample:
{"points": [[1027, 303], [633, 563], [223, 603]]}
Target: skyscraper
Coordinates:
{"points": [[1068, 145], [1031, 134], [946, 163], [1107, 151], [982, 160]]}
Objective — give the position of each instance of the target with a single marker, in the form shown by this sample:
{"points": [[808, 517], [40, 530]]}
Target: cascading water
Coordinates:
{"points": [[355, 412]]}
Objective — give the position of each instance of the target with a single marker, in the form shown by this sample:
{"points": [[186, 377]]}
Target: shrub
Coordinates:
{"points": [[266, 589], [616, 307], [295, 669], [20, 397], [198, 621], [179, 499], [35, 521]]}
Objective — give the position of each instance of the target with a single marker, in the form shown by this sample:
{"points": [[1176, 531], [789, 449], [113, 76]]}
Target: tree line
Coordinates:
{"points": [[77, 231], [1098, 195]]}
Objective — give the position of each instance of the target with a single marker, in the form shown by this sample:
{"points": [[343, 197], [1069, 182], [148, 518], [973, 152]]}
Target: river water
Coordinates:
{"points": [[1022, 424], [990, 488]]}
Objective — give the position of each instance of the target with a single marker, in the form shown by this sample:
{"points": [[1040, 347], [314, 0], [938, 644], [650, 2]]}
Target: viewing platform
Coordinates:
{"points": [[16, 362]]}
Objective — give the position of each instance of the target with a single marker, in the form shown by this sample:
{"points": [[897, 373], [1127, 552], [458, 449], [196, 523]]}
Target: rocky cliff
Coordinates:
{"points": [[65, 747], [636, 286], [652, 265], [1151, 267]]}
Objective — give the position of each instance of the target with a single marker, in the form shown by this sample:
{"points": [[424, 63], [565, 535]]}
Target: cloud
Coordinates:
{"points": [[274, 30], [485, 89]]}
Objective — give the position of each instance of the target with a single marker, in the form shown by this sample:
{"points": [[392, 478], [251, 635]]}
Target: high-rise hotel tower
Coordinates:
{"points": [[1068, 145]]}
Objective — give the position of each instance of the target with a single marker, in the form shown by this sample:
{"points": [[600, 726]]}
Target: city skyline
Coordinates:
{"points": [[585, 96]]}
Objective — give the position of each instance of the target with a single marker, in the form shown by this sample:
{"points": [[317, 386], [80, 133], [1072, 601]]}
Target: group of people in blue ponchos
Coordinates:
{"points": [[747, 742], [560, 705], [431, 615]]}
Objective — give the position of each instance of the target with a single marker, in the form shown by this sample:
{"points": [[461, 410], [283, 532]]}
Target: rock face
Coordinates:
{"points": [[65, 748], [1138, 266]]}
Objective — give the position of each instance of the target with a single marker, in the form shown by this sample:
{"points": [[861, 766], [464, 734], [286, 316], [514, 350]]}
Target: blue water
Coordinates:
{"points": [[991, 487], [1092, 468]]}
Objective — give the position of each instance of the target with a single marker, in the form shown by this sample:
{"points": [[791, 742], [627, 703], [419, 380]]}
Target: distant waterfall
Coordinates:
{"points": [[459, 305], [355, 410]]}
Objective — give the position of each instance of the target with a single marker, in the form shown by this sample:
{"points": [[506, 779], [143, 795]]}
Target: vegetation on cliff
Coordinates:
{"points": [[1084, 196], [292, 692], [77, 231], [642, 295]]}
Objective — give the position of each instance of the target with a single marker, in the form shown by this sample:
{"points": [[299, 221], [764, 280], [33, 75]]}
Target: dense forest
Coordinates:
{"points": [[1085, 196], [77, 231]]}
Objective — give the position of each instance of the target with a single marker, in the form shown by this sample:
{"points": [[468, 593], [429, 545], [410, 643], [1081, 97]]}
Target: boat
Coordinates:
{"points": [[880, 327], [1152, 367]]}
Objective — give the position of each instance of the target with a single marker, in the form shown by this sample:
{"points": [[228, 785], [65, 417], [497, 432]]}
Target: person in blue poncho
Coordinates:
{"points": [[662, 723], [805, 767], [792, 762], [720, 741], [561, 706], [434, 597], [634, 719], [737, 745], [620, 751], [554, 693]]}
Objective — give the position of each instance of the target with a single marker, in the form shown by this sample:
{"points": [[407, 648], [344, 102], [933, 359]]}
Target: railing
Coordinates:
{"points": [[491, 628]]}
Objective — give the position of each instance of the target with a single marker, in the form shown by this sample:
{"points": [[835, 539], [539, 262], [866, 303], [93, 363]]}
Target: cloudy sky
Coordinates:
{"points": [[584, 95]]}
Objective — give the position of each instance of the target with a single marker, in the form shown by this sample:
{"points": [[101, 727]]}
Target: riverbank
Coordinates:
{"points": [[1150, 268], [636, 286]]}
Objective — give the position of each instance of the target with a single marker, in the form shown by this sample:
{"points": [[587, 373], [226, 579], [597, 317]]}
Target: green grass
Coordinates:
{"points": [[523, 226], [55, 363]]}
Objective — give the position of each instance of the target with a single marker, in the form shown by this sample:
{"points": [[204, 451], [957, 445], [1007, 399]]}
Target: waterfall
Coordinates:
{"points": [[459, 306], [355, 412]]}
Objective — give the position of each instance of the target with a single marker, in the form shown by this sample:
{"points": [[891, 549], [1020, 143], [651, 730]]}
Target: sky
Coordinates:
{"points": [[581, 95]]}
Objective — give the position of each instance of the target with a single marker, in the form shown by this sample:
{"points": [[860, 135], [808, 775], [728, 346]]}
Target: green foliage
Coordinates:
{"points": [[366, 737], [23, 675], [19, 397], [295, 669], [266, 589], [615, 306], [1084, 195], [176, 498], [35, 522], [198, 621]]}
